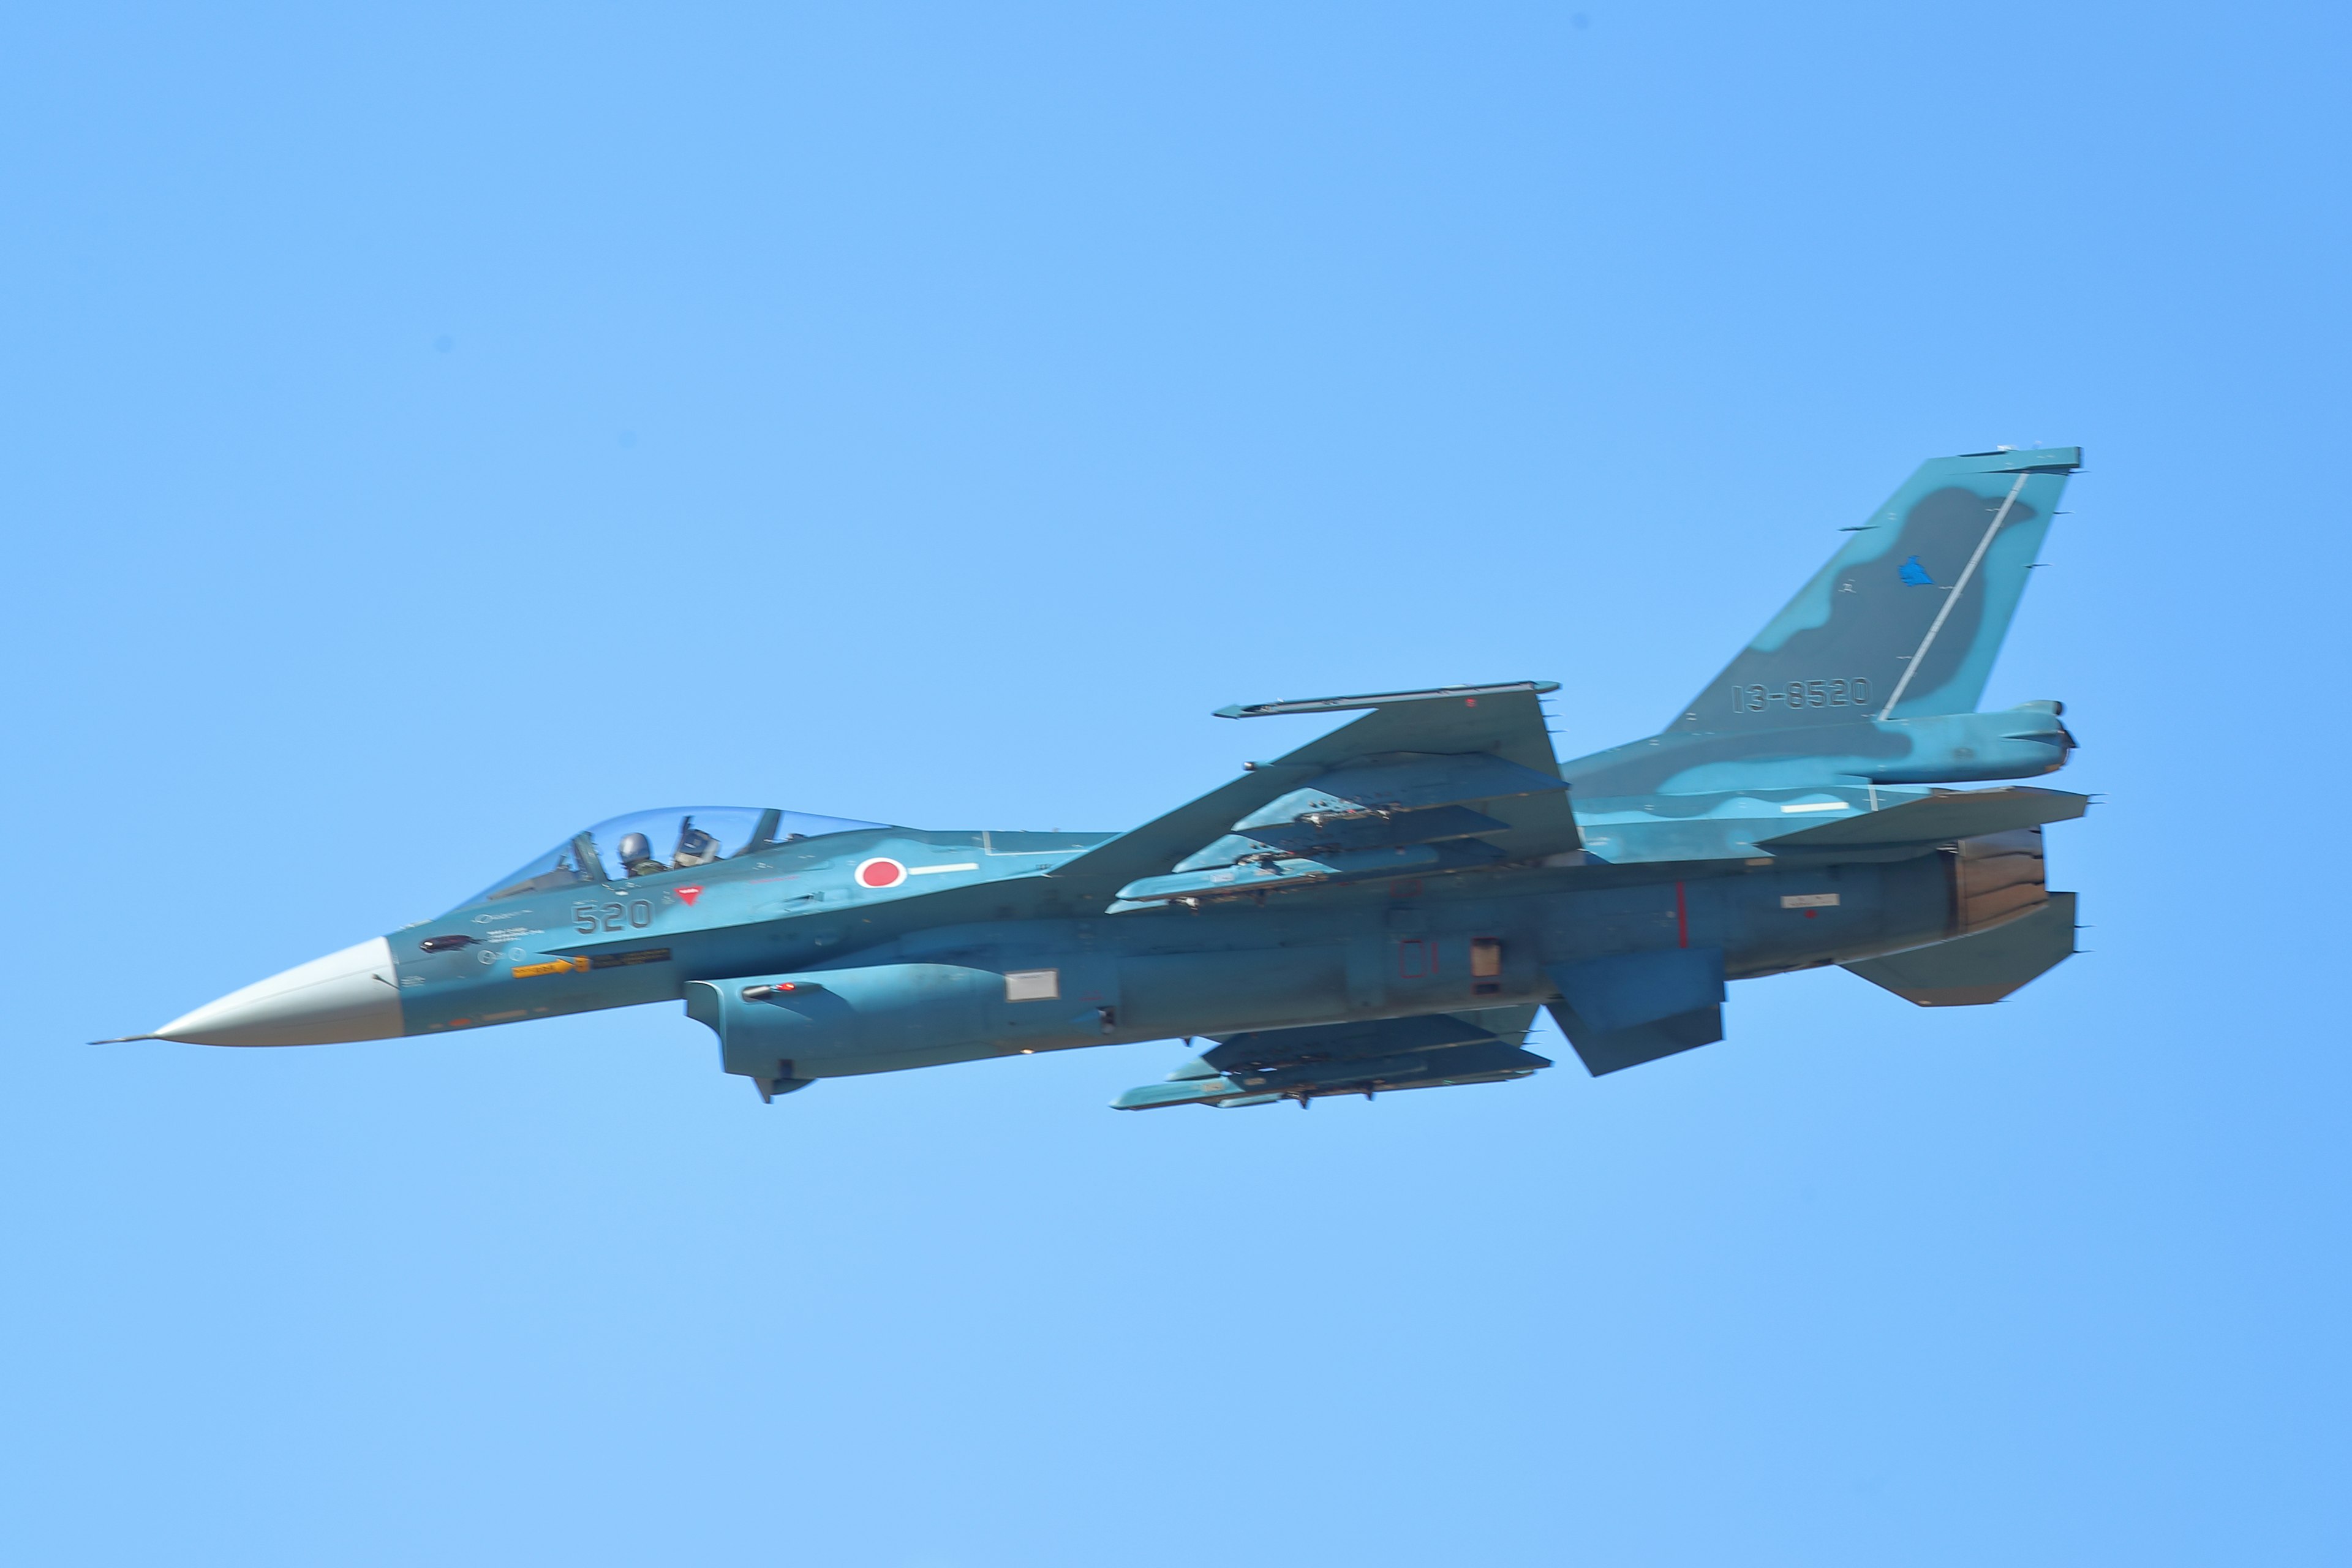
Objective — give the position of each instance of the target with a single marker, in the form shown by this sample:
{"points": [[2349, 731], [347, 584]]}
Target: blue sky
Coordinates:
{"points": [[427, 430]]}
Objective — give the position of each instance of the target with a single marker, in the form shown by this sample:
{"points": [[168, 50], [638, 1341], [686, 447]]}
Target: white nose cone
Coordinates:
{"points": [[348, 996]]}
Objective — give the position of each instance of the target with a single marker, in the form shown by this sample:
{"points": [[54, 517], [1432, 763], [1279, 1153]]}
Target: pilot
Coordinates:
{"points": [[638, 856], [694, 847]]}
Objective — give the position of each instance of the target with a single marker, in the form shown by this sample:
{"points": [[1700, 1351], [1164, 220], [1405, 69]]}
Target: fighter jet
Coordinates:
{"points": [[1385, 907]]}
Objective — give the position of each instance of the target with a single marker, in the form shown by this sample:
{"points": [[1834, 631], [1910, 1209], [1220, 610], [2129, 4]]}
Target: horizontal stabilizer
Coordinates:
{"points": [[1638, 1006], [1937, 818], [1983, 966]]}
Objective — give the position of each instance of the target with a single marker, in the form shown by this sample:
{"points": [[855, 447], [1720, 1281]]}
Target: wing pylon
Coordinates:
{"points": [[1432, 1051]]}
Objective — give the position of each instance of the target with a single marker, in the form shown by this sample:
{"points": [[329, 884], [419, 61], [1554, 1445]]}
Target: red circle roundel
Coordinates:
{"points": [[879, 872]]}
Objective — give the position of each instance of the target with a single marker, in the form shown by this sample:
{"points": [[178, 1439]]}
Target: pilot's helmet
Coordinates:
{"points": [[634, 849]]}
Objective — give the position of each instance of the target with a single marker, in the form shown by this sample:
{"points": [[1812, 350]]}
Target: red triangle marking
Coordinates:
{"points": [[689, 895]]}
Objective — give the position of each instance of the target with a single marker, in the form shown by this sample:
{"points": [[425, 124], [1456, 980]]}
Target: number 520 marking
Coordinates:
{"points": [[589, 919]]}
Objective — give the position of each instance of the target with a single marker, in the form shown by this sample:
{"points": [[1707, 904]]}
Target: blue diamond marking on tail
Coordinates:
{"points": [[1917, 574]]}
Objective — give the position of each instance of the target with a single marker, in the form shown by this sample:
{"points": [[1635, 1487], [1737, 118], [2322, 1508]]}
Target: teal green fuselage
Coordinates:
{"points": [[1386, 906], [915, 975]]}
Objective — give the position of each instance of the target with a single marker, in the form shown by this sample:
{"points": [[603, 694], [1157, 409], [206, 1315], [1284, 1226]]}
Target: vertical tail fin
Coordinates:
{"points": [[1872, 671], [1906, 620]]}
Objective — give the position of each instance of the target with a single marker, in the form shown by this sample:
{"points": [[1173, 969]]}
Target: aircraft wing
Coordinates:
{"points": [[1482, 1046], [1164, 840], [1425, 783]]}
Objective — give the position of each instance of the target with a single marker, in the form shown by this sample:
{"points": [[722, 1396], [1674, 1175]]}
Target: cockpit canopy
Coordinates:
{"points": [[673, 838]]}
